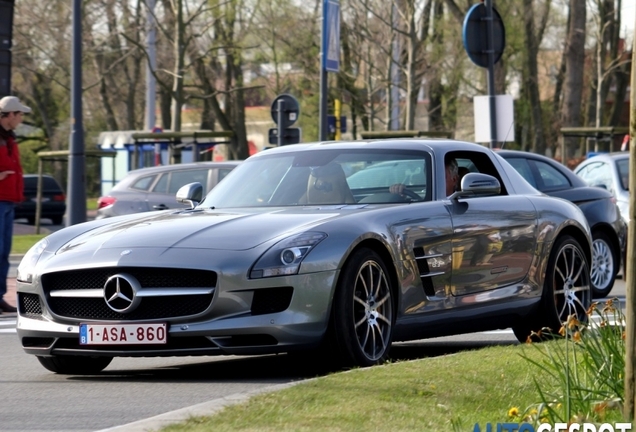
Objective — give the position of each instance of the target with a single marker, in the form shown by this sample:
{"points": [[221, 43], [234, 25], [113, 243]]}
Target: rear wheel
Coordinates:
{"points": [[566, 290], [362, 313], [604, 265], [57, 220], [75, 365]]}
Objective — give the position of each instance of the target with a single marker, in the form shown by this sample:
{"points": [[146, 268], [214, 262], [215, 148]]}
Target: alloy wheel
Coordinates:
{"points": [[372, 310]]}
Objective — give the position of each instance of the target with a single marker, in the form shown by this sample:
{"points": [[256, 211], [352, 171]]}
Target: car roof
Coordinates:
{"points": [[605, 157], [608, 156], [189, 165], [36, 176], [432, 144]]}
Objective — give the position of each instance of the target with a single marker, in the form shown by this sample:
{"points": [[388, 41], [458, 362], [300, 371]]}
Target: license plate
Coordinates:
{"points": [[123, 334]]}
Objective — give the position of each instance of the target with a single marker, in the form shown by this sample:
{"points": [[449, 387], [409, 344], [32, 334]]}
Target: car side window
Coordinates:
{"points": [[144, 183], [182, 178], [597, 174], [478, 162], [551, 177], [162, 184], [523, 167], [222, 173]]}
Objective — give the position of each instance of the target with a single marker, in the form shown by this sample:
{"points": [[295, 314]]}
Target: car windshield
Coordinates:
{"points": [[323, 176], [623, 172]]}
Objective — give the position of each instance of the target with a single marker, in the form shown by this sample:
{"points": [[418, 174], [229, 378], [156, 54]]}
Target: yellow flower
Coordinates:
{"points": [[513, 412], [533, 411], [573, 322], [577, 336], [592, 308], [562, 331]]}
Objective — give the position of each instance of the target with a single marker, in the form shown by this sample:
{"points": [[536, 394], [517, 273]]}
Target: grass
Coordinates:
{"points": [[22, 243], [434, 394], [574, 379]]}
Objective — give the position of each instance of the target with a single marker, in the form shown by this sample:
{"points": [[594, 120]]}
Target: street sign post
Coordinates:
{"points": [[285, 111], [330, 57], [484, 39]]}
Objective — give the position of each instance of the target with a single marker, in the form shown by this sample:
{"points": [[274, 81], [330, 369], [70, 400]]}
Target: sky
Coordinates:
{"points": [[628, 17]]}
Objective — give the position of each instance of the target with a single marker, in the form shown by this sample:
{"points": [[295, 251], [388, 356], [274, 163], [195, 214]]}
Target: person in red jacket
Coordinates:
{"points": [[11, 184]]}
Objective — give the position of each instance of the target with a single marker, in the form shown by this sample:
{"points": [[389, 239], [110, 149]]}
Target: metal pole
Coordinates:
{"points": [[491, 74], [395, 74], [151, 83], [77, 159], [324, 91], [279, 122], [151, 65]]}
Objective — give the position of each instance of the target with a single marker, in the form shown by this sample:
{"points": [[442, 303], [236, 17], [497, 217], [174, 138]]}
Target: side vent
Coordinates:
{"points": [[425, 271]]}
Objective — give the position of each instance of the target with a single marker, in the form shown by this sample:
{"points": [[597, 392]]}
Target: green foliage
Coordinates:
{"points": [[580, 377]]}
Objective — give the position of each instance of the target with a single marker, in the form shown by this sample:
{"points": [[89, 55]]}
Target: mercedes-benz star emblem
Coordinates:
{"points": [[120, 293]]}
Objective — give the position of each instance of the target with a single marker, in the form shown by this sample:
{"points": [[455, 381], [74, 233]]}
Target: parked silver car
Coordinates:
{"points": [[149, 189], [285, 254], [611, 172]]}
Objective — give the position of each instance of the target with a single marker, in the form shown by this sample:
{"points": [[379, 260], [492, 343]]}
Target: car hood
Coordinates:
{"points": [[202, 229]]}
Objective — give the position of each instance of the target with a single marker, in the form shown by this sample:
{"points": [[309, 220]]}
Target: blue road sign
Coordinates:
{"points": [[331, 35]]}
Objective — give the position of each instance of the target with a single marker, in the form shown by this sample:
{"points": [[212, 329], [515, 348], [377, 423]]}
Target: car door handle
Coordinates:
{"points": [[160, 207]]}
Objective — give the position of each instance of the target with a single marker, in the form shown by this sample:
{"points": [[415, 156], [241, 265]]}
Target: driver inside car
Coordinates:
{"points": [[452, 179]]}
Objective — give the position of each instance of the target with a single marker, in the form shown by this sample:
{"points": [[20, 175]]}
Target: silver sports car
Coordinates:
{"points": [[304, 248]]}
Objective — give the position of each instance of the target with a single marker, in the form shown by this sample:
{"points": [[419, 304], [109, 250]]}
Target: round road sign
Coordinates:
{"points": [[289, 108], [475, 34]]}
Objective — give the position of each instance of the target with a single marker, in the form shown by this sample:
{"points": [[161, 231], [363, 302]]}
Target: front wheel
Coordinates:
{"points": [[75, 365], [604, 265], [362, 313], [566, 290]]}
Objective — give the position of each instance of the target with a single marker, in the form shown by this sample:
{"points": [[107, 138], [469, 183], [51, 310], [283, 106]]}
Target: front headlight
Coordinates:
{"points": [[27, 265], [284, 257]]}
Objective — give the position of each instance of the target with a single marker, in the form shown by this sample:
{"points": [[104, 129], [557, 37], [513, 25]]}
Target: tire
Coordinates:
{"points": [[566, 290], [362, 315], [75, 365], [57, 220], [605, 265], [30, 220]]}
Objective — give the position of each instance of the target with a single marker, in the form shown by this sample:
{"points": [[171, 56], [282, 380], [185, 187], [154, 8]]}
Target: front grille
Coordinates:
{"points": [[271, 300], [149, 308]]}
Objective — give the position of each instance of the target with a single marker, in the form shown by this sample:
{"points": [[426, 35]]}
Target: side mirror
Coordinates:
{"points": [[474, 184], [190, 194]]}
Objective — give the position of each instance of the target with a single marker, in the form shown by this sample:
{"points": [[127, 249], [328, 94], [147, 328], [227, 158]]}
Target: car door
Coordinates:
{"points": [[493, 236]]}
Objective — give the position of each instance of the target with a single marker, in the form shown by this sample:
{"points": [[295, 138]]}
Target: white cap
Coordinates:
{"points": [[10, 104]]}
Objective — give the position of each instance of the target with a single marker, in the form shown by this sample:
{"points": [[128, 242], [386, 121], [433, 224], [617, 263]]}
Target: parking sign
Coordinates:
{"points": [[331, 36]]}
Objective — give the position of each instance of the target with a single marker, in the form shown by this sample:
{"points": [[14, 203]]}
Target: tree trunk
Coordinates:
{"points": [[575, 62], [629, 405], [532, 51], [179, 57]]}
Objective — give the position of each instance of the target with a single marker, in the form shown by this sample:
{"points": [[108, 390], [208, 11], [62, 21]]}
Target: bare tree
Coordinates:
{"points": [[575, 59]]}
